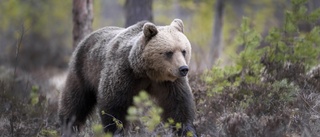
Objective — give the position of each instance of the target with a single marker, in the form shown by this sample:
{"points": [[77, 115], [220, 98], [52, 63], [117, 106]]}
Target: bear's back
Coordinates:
{"points": [[100, 46], [89, 55]]}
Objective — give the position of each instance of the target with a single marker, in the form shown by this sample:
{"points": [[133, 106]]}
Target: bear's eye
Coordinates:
{"points": [[184, 52], [169, 54]]}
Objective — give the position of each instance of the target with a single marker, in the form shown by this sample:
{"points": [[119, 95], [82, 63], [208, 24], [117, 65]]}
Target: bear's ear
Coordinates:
{"points": [[149, 30], [178, 24]]}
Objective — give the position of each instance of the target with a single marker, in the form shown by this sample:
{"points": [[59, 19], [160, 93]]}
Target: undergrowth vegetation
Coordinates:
{"points": [[271, 90], [24, 110]]}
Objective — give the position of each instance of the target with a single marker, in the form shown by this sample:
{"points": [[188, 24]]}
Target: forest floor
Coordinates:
{"points": [[29, 104]]}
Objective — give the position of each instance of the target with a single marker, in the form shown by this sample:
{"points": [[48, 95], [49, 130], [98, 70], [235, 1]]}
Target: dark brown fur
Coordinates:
{"points": [[107, 69]]}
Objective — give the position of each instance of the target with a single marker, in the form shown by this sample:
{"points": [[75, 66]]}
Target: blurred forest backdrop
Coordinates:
{"points": [[46, 26], [37, 40]]}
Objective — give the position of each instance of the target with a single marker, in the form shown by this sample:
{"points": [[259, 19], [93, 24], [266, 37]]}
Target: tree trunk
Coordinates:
{"points": [[216, 47], [138, 10], [82, 13]]}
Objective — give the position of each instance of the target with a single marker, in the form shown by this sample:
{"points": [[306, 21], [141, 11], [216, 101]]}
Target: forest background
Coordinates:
{"points": [[254, 68]]}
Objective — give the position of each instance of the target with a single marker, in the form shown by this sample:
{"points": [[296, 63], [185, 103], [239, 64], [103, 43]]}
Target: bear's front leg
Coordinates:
{"points": [[112, 115], [176, 100], [115, 96], [113, 105]]}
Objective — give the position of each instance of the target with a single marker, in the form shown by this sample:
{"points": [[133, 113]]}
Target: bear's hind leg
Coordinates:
{"points": [[76, 103]]}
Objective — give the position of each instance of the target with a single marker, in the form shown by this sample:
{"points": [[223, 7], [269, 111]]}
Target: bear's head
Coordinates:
{"points": [[165, 51]]}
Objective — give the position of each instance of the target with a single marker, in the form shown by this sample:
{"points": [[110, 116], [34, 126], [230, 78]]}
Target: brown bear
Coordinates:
{"points": [[111, 65]]}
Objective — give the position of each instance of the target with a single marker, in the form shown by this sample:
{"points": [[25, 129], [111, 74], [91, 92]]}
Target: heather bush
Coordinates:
{"points": [[24, 110]]}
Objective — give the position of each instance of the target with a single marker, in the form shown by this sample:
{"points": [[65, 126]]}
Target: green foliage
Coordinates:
{"points": [[262, 79], [98, 131], [47, 133], [246, 66], [285, 90], [289, 44], [218, 78], [145, 117], [116, 121], [248, 59], [262, 17], [203, 15], [189, 134], [145, 111], [178, 126], [34, 95]]}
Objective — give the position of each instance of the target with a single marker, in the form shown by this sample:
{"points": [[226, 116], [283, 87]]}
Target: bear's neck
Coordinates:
{"points": [[135, 58]]}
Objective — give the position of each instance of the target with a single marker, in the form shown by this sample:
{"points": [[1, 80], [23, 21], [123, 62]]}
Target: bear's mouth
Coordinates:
{"points": [[160, 76], [164, 75], [171, 77]]}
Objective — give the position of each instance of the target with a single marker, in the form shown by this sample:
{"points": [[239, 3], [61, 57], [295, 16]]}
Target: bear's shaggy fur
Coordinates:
{"points": [[113, 64]]}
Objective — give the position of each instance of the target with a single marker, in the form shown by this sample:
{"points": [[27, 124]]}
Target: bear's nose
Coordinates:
{"points": [[183, 70]]}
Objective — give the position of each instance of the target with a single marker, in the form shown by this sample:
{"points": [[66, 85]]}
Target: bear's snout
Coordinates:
{"points": [[183, 70]]}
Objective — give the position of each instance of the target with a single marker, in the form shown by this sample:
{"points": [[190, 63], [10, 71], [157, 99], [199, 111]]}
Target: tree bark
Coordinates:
{"points": [[216, 47], [138, 10], [82, 12]]}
